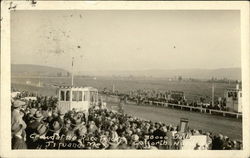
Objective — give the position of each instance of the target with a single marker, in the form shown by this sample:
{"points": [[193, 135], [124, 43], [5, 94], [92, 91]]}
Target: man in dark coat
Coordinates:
{"points": [[32, 127]]}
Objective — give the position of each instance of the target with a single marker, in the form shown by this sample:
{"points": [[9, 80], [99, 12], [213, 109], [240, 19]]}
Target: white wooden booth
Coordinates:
{"points": [[79, 98], [234, 99]]}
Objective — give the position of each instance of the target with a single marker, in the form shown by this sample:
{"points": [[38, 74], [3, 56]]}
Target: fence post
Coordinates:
{"points": [[166, 104]]}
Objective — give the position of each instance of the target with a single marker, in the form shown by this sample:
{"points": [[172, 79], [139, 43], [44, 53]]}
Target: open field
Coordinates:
{"points": [[192, 90]]}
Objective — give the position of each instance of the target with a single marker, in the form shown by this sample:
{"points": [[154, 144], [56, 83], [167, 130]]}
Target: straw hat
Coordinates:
{"points": [[33, 111], [18, 103], [38, 115], [42, 129], [82, 130], [135, 137], [61, 112]]}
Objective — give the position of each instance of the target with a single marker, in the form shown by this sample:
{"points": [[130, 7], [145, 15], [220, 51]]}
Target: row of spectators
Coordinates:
{"points": [[175, 97], [39, 124]]}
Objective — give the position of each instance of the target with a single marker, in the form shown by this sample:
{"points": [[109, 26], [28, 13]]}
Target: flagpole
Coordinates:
{"points": [[213, 94], [72, 73]]}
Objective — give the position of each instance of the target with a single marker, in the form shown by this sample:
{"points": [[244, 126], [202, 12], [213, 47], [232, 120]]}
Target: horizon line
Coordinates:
{"points": [[136, 69]]}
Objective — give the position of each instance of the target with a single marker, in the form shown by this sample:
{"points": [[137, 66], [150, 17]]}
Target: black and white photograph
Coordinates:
{"points": [[126, 79]]}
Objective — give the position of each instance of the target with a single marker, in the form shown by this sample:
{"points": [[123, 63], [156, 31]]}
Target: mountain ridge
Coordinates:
{"points": [[229, 73], [36, 70]]}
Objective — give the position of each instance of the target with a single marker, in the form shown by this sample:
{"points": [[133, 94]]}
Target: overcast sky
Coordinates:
{"points": [[126, 40]]}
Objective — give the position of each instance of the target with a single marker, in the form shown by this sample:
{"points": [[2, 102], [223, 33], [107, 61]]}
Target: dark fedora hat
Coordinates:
{"points": [[56, 126]]}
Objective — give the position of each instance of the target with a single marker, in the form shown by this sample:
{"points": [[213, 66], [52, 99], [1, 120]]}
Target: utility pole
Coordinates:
{"points": [[113, 88], [72, 73], [213, 95], [39, 83]]}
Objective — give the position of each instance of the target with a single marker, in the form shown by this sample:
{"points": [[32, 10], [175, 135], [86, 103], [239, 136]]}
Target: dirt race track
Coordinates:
{"points": [[230, 127]]}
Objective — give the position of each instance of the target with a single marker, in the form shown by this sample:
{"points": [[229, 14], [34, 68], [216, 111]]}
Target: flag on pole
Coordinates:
{"points": [[72, 74]]}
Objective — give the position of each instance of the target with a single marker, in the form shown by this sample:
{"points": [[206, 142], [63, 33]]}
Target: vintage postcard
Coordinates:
{"points": [[124, 79]]}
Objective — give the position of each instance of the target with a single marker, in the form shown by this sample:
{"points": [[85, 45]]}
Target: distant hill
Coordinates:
{"points": [[229, 73], [36, 70]]}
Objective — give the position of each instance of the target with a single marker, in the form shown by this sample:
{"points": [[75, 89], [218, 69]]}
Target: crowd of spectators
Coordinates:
{"points": [[174, 97], [38, 124]]}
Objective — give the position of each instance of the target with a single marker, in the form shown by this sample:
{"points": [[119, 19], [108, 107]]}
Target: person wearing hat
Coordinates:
{"points": [[30, 113], [103, 139], [114, 140], [60, 117], [123, 143], [16, 117], [55, 128], [36, 121], [92, 127], [18, 141], [217, 143], [76, 123], [67, 126], [54, 131], [32, 127], [134, 141], [39, 141], [81, 134]]}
